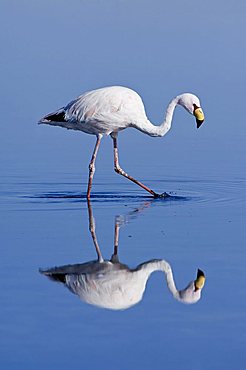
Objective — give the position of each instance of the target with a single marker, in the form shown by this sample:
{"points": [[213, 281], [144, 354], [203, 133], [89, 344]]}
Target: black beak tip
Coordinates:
{"points": [[199, 123], [200, 273]]}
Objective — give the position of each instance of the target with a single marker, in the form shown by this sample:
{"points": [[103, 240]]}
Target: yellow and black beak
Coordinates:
{"points": [[200, 280], [198, 113]]}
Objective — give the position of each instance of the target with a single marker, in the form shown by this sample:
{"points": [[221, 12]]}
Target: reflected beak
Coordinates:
{"points": [[200, 280], [198, 113]]}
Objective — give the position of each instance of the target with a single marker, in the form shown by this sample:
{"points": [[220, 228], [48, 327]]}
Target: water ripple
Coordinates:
{"points": [[216, 191], [51, 197]]}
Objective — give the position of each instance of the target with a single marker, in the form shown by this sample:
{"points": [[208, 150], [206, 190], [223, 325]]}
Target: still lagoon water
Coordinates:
{"points": [[51, 53], [46, 225]]}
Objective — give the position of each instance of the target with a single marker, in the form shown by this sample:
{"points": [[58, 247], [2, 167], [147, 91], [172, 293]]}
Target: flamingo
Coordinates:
{"points": [[108, 110], [113, 285]]}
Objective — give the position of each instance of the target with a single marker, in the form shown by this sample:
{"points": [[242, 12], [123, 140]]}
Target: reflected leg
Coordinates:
{"points": [[114, 257], [92, 229]]}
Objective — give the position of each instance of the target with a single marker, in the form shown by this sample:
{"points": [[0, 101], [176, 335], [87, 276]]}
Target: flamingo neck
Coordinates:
{"points": [[166, 125], [161, 130], [162, 265]]}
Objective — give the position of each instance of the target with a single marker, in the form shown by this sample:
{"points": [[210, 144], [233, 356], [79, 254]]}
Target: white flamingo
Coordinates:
{"points": [[108, 110], [113, 285]]}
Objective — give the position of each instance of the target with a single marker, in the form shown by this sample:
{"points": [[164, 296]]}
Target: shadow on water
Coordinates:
{"points": [[111, 284]]}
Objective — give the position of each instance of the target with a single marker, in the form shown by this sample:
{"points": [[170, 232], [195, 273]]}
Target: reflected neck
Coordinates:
{"points": [[161, 265]]}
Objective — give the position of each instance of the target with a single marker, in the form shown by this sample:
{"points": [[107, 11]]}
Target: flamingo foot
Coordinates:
{"points": [[162, 195]]}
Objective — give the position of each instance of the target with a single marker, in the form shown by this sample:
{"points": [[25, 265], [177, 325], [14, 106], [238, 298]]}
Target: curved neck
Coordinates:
{"points": [[166, 125], [161, 265], [161, 130]]}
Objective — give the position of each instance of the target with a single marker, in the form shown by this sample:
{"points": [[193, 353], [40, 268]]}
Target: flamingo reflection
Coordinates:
{"points": [[113, 285]]}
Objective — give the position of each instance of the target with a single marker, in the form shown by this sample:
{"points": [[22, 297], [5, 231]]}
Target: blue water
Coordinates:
{"points": [[50, 53], [45, 224]]}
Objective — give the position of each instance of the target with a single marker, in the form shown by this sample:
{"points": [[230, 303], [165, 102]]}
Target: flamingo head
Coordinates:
{"points": [[192, 293], [192, 104]]}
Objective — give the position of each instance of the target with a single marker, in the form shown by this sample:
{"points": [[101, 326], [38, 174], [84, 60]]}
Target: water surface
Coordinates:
{"points": [[45, 224], [52, 52]]}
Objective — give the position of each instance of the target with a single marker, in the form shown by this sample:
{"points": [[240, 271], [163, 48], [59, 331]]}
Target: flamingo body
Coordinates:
{"points": [[108, 110], [117, 287], [113, 285], [101, 112]]}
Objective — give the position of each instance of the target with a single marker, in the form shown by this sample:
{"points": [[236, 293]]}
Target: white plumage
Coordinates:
{"points": [[113, 285], [108, 110]]}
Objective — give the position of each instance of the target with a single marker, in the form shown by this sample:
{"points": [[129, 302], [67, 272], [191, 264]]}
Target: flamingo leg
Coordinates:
{"points": [[92, 167], [92, 229], [115, 258], [116, 236], [119, 170]]}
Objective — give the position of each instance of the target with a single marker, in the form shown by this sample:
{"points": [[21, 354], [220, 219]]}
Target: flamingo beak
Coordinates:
{"points": [[200, 280], [198, 113]]}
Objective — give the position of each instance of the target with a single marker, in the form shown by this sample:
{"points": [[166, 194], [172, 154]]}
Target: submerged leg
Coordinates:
{"points": [[92, 229], [119, 170], [92, 166]]}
